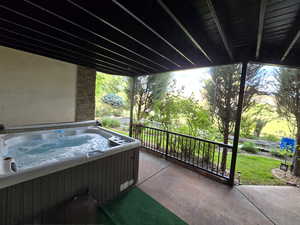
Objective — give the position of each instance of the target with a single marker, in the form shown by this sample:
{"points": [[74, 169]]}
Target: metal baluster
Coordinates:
{"points": [[182, 155], [167, 144], [208, 151], [198, 152], [148, 138], [190, 149], [213, 158], [177, 146], [219, 150], [203, 153], [194, 150]]}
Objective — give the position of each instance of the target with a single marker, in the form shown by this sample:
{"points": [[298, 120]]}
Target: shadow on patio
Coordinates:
{"points": [[200, 200]]}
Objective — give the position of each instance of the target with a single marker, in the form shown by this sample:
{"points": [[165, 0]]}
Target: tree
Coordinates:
{"points": [[149, 90], [256, 119], [107, 85], [222, 92], [287, 95], [262, 114], [167, 110], [196, 117]]}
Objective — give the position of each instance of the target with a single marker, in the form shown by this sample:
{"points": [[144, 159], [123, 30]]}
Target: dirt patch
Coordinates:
{"points": [[287, 177]]}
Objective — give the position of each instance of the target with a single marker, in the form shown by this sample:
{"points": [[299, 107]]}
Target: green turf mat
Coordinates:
{"points": [[137, 208]]}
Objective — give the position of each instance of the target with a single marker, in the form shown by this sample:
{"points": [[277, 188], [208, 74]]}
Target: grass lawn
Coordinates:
{"points": [[254, 169], [257, 170], [118, 131]]}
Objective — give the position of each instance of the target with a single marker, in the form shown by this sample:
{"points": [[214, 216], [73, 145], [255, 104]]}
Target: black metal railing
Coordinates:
{"points": [[200, 153]]}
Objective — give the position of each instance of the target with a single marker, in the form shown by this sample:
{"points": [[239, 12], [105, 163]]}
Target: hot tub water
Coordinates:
{"points": [[52, 146]]}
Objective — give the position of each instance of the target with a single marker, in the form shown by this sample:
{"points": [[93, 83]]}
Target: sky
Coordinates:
{"points": [[193, 79]]}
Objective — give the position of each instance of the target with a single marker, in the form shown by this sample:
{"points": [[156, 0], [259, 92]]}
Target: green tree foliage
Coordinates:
{"points": [[222, 92], [256, 118], [287, 94], [197, 118], [262, 114], [167, 110], [149, 90], [185, 115], [107, 84], [247, 126]]}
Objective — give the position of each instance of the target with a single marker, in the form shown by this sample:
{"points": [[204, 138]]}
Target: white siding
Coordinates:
{"points": [[35, 89]]}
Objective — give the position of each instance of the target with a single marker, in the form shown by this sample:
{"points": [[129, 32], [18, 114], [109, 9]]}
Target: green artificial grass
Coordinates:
{"points": [[137, 208]]}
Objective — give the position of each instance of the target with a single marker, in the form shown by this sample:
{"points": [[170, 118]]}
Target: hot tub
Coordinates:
{"points": [[49, 164]]}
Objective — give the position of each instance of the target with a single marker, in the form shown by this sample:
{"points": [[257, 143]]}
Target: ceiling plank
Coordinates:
{"points": [[96, 34], [61, 50], [186, 32], [262, 11], [78, 38], [123, 32], [291, 45], [152, 30], [36, 49], [220, 29], [76, 46]]}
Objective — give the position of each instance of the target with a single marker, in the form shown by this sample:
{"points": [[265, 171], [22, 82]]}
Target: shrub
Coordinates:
{"points": [[281, 153], [108, 122], [113, 100], [249, 147], [271, 137]]}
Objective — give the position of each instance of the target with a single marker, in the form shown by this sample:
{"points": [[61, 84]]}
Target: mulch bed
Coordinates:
{"points": [[287, 177]]}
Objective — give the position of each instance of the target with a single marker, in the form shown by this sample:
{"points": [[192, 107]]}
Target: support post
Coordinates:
{"points": [[131, 105], [238, 123]]}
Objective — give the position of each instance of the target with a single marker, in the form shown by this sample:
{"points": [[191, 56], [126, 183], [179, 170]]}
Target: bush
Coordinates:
{"points": [[108, 122], [249, 147], [271, 137], [113, 100], [281, 153]]}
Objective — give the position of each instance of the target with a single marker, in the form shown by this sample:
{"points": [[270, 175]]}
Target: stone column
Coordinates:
{"points": [[85, 94]]}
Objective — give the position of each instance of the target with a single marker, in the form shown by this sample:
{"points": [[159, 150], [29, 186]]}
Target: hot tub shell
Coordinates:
{"points": [[27, 196]]}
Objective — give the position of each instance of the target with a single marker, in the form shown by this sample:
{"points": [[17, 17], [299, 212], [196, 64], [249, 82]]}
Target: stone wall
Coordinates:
{"points": [[85, 94]]}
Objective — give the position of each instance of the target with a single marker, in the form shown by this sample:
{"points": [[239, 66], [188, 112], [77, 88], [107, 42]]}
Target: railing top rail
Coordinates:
{"points": [[187, 136]]}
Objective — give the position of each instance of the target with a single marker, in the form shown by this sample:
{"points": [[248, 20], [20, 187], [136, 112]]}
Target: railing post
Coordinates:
{"points": [[167, 144], [238, 123], [131, 105]]}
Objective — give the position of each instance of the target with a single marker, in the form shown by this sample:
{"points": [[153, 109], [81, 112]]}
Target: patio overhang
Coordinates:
{"points": [[133, 38], [127, 37]]}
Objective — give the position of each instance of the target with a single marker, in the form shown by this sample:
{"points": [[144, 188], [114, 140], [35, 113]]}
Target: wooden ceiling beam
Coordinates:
{"points": [[76, 46], [220, 29], [184, 30], [262, 11], [290, 47], [152, 30], [63, 51], [78, 38], [123, 32], [96, 34]]}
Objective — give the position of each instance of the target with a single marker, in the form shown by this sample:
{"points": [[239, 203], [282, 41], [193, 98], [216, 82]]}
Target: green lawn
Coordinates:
{"points": [[254, 169], [118, 131], [257, 170]]}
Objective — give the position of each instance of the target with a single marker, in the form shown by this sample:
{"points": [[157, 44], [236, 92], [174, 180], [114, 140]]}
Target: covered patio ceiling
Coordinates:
{"points": [[138, 37]]}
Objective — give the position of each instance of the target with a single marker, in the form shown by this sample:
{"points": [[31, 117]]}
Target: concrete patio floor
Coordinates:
{"points": [[199, 200]]}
